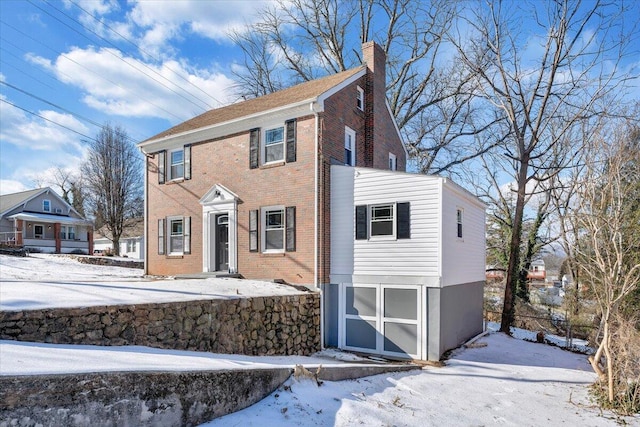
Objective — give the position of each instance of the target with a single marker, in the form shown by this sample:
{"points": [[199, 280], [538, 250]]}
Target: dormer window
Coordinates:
{"points": [[46, 205], [360, 99]]}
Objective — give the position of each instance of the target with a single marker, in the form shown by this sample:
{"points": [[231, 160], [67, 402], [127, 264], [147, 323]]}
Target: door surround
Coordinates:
{"points": [[219, 200]]}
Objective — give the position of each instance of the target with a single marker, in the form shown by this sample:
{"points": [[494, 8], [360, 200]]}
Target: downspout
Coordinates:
{"points": [[146, 211], [315, 222]]}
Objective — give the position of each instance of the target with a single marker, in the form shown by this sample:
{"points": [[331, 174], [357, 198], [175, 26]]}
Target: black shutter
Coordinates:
{"points": [[253, 230], [290, 126], [290, 242], [186, 242], [403, 230], [161, 236], [187, 162], [254, 148], [161, 166], [361, 222]]}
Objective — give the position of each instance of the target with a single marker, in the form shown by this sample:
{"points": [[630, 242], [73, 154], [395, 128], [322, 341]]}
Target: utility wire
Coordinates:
{"points": [[93, 122], [205, 108], [137, 46], [88, 138], [88, 69]]}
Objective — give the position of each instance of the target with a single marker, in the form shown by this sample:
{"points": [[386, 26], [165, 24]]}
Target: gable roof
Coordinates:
{"points": [[10, 201], [305, 91], [133, 227]]}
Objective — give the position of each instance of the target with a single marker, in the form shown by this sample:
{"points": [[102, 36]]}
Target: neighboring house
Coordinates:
{"points": [[131, 240], [250, 189], [41, 220], [536, 272]]}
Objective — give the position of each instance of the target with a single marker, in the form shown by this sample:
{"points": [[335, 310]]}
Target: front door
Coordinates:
{"points": [[222, 242]]}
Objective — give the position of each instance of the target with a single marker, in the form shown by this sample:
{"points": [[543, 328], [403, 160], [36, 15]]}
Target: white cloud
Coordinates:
{"points": [[8, 186], [212, 20], [124, 86], [22, 130]]}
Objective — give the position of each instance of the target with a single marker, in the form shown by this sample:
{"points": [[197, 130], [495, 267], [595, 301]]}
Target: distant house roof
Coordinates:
{"points": [[133, 227], [32, 216], [299, 93], [10, 201]]}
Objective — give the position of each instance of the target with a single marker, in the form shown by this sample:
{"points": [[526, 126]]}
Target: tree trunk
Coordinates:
{"points": [[508, 308]]}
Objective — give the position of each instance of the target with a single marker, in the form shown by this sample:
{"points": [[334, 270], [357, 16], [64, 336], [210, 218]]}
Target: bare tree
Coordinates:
{"points": [[69, 183], [608, 238], [114, 180], [539, 97], [429, 95]]}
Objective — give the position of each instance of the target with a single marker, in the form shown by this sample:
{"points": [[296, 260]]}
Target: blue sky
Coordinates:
{"points": [[69, 66]]}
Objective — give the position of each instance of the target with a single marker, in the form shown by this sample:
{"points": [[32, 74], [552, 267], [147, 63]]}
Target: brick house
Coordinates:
{"points": [[247, 189]]}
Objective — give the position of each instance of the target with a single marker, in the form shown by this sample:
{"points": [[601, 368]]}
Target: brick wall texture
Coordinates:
{"points": [[225, 161]]}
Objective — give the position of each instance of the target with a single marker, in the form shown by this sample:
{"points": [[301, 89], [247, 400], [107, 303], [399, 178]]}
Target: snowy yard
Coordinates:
{"points": [[498, 381]]}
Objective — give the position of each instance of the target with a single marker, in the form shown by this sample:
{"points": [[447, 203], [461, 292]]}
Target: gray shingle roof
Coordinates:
{"points": [[9, 201]]}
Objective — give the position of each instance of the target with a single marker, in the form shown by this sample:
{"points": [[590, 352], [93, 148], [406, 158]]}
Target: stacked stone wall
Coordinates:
{"points": [[271, 325]]}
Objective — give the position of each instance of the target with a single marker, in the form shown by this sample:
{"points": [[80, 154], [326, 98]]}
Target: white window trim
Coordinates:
{"points": [[393, 162], [44, 203], [263, 144], [170, 168], [394, 221], [460, 223], [350, 132], [169, 250], [263, 229], [360, 98]]}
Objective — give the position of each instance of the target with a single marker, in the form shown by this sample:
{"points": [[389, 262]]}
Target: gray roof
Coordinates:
{"points": [[10, 201]]}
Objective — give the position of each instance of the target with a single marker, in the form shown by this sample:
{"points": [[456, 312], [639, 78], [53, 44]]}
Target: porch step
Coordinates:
{"points": [[208, 275]]}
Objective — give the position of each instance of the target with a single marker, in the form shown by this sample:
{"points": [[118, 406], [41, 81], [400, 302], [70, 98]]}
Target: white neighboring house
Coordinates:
{"points": [[131, 241], [41, 220], [407, 263]]}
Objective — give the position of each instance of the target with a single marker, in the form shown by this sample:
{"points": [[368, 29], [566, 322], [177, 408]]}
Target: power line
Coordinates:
{"points": [[58, 124], [207, 106], [99, 125], [88, 69], [49, 120], [144, 51]]}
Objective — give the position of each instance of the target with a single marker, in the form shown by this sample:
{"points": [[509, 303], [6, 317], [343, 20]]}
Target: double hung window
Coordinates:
{"points": [[349, 146], [274, 145], [177, 164], [274, 229], [46, 205], [382, 220]]}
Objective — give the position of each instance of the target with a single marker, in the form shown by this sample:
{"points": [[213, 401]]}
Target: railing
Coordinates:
{"points": [[9, 237]]}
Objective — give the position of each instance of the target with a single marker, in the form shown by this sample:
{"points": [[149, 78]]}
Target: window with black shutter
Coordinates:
{"points": [[187, 162], [254, 148], [290, 126], [161, 237], [361, 222], [403, 230], [161, 166], [253, 230], [290, 221]]}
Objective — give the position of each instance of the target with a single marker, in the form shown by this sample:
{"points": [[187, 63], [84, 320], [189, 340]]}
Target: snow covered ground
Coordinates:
{"points": [[59, 281], [499, 380]]}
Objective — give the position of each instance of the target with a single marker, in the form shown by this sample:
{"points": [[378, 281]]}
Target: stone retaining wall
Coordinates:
{"points": [[272, 325], [132, 398]]}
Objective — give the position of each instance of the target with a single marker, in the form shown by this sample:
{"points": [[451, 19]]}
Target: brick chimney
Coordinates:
{"points": [[375, 96]]}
